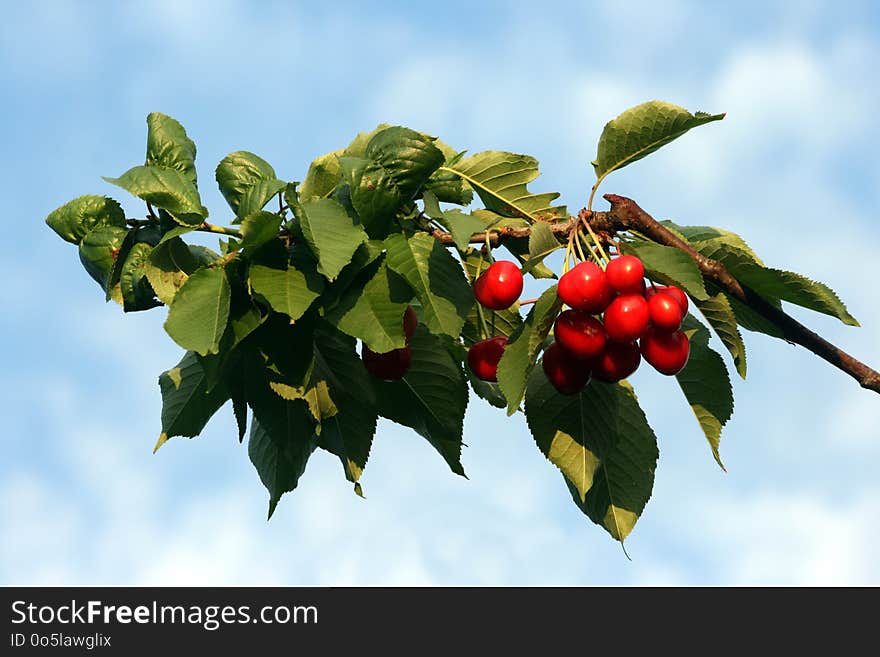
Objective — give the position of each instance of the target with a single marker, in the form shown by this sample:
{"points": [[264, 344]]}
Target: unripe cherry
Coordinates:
{"points": [[618, 361], [567, 374], [626, 318], [483, 357], [585, 287], [389, 366], [626, 275], [499, 286], [666, 352], [665, 312], [582, 335]]}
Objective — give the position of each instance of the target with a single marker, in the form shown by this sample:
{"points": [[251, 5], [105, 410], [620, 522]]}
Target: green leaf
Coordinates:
{"points": [[409, 158], [247, 182], [522, 348], [500, 179], [430, 398], [83, 214], [168, 267], [168, 189], [197, 318], [373, 193], [602, 443], [709, 236], [323, 176], [640, 131], [186, 403], [437, 279], [137, 294], [331, 234], [286, 287], [718, 312], [372, 309], [462, 226], [794, 288], [445, 185], [542, 242], [669, 265], [258, 228], [282, 440], [169, 147], [358, 145], [98, 251], [348, 433], [706, 385]]}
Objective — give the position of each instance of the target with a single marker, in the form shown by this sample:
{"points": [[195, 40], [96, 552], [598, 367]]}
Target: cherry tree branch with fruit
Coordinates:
{"points": [[376, 290]]}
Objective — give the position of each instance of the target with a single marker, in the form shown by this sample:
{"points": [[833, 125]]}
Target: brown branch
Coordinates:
{"points": [[625, 214]]}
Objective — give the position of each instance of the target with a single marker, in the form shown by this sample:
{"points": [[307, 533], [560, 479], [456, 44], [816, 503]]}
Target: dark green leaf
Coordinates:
{"points": [[372, 309], [198, 316], [462, 226], [706, 385], [186, 403], [542, 242], [602, 444], [168, 189], [445, 185], [137, 294], [437, 279], [718, 312], [77, 217], [431, 398], [168, 267], [374, 194], [258, 228], [247, 182], [409, 158], [331, 234], [168, 146], [98, 252], [287, 288], [522, 349]]}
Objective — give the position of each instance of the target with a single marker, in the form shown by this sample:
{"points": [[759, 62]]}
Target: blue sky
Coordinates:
{"points": [[792, 168]]}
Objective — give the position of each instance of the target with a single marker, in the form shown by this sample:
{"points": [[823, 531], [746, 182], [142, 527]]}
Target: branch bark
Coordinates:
{"points": [[625, 214]]}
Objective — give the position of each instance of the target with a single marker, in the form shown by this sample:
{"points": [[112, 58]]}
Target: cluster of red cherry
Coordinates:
{"points": [[637, 321]]}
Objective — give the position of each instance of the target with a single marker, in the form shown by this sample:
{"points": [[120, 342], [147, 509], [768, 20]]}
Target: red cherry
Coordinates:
{"points": [[618, 361], [499, 286], [626, 275], [626, 318], [483, 357], [410, 322], [676, 293], [582, 335], [390, 366], [666, 352], [567, 374], [585, 287], [665, 312]]}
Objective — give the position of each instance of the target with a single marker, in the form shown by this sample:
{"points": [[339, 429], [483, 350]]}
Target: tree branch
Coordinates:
{"points": [[625, 214]]}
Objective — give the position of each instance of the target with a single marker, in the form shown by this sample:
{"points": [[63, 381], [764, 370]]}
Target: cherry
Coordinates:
{"points": [[567, 374], [665, 312], [582, 335], [626, 318], [483, 357], [626, 275], [410, 322], [585, 287], [499, 286], [618, 361], [390, 366], [666, 352], [676, 293]]}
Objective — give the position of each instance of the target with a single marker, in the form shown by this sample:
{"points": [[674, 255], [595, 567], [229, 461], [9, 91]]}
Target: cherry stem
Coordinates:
{"points": [[526, 302]]}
